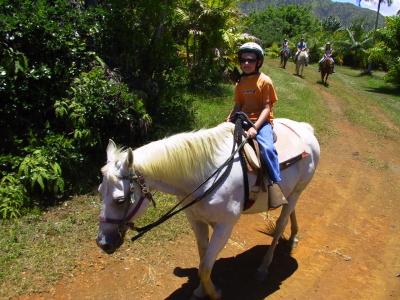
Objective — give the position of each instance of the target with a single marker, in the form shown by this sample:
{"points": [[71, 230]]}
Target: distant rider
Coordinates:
{"points": [[285, 46], [301, 46], [327, 55]]}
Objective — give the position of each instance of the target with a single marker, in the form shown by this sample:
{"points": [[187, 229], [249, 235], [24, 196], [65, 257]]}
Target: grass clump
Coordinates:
{"points": [[369, 101]]}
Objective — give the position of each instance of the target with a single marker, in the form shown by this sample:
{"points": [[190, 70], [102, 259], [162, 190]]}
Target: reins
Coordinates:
{"points": [[238, 133]]}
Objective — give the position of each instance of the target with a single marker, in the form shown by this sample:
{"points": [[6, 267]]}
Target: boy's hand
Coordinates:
{"points": [[251, 133]]}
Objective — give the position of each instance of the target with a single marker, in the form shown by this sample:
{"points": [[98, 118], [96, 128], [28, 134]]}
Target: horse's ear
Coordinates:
{"points": [[111, 147], [129, 159]]}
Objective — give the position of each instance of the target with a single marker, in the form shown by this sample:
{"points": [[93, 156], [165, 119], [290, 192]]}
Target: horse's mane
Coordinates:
{"points": [[185, 156]]}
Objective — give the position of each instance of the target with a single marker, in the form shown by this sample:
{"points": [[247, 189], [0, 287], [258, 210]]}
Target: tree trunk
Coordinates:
{"points": [[369, 68], [377, 14]]}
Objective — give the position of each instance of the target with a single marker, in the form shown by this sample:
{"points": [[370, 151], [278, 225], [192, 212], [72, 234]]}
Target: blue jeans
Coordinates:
{"points": [[265, 140]]}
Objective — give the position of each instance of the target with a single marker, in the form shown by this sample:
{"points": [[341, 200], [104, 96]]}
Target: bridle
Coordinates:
{"points": [[130, 199]]}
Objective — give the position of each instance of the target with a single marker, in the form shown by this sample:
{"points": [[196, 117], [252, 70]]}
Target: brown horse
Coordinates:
{"points": [[326, 69], [284, 58]]}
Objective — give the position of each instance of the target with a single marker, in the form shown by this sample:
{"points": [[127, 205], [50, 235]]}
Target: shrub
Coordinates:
{"points": [[273, 51], [41, 174], [99, 108], [13, 196]]}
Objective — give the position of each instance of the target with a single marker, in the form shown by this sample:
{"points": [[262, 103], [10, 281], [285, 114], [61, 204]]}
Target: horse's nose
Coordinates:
{"points": [[106, 246]]}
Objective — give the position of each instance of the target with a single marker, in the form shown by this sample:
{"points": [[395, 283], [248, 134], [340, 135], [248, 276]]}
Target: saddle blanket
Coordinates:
{"points": [[288, 143]]}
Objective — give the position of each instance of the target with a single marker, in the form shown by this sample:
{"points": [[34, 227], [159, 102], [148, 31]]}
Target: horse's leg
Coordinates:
{"points": [[201, 232], [281, 223], [262, 270], [219, 238], [294, 229]]}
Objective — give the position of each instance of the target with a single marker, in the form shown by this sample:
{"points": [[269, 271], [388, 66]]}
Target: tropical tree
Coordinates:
{"points": [[210, 32], [331, 24], [387, 48], [354, 44], [74, 73], [275, 23], [388, 3]]}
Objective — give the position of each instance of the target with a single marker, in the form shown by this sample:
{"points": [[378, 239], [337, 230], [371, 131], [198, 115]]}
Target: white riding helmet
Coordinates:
{"points": [[254, 48]]}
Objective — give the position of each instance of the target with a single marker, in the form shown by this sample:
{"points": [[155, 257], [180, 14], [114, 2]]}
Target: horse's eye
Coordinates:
{"points": [[119, 200]]}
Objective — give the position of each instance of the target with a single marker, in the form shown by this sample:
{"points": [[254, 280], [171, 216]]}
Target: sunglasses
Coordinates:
{"points": [[247, 60]]}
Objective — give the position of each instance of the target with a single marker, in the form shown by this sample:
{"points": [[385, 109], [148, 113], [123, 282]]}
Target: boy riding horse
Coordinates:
{"points": [[255, 96]]}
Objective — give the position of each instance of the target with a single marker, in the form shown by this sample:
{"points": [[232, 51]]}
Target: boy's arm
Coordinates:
{"points": [[252, 132], [263, 117]]}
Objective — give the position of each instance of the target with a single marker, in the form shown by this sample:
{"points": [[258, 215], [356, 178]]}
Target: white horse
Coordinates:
{"points": [[301, 62], [178, 165]]}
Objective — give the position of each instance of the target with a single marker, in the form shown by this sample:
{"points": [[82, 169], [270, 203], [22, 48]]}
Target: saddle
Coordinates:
{"points": [[287, 142], [290, 150]]}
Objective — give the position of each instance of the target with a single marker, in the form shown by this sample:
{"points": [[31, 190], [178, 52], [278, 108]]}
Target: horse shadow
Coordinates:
{"points": [[325, 84], [298, 75], [235, 276]]}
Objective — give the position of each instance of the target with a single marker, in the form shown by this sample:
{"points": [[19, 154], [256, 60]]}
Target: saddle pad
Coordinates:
{"points": [[289, 144]]}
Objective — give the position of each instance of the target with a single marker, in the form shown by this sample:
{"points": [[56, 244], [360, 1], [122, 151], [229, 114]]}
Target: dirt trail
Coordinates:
{"points": [[349, 239]]}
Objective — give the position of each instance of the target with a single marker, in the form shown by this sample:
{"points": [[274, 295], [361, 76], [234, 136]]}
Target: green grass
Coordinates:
{"points": [[36, 251], [297, 101], [369, 101], [213, 107]]}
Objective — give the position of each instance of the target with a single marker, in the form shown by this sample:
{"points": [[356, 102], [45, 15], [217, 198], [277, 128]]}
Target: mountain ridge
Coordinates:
{"points": [[345, 12]]}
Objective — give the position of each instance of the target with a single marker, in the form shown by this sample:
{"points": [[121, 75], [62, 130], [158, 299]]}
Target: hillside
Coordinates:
{"points": [[346, 12]]}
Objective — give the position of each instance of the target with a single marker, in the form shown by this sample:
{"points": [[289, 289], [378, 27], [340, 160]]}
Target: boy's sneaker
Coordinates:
{"points": [[275, 196]]}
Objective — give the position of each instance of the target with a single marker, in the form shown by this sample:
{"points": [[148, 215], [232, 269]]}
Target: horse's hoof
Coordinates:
{"points": [[293, 243], [218, 295], [199, 293], [261, 276]]}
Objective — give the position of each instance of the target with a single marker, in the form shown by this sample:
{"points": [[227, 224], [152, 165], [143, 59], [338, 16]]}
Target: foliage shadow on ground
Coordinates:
{"points": [[235, 275], [395, 91]]}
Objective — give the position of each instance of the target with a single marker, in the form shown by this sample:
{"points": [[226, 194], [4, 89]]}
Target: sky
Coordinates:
{"points": [[385, 9]]}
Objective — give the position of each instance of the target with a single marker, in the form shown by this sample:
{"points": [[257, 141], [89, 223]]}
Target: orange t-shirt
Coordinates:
{"points": [[253, 92]]}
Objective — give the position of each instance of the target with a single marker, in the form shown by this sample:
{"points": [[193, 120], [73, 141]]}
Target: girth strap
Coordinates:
{"points": [[242, 122]]}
